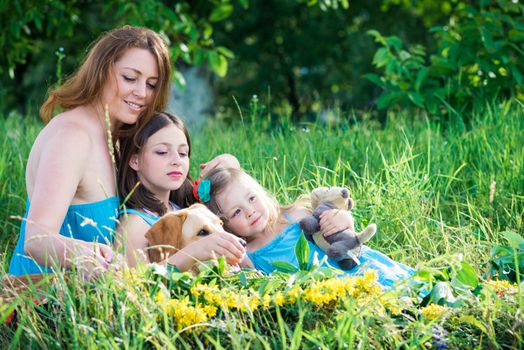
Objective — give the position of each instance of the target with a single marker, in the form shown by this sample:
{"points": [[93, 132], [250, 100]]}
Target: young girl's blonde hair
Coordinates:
{"points": [[221, 178]]}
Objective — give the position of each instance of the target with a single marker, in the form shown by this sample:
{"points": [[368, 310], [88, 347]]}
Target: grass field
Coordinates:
{"points": [[442, 195]]}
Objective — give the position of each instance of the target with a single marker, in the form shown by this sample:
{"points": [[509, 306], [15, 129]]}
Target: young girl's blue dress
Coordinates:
{"points": [[282, 249], [90, 222]]}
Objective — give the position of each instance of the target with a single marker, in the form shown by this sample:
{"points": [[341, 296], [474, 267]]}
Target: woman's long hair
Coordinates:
{"points": [[86, 84], [139, 197]]}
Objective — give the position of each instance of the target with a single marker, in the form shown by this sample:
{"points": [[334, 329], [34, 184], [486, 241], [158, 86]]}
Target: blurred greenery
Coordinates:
{"points": [[303, 58]]}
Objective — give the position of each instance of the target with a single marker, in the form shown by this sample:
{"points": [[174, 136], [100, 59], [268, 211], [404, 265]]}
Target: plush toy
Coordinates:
{"points": [[343, 246]]}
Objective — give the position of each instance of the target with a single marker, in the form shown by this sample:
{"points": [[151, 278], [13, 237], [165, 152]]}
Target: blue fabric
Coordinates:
{"points": [[150, 219], [282, 248], [103, 213]]}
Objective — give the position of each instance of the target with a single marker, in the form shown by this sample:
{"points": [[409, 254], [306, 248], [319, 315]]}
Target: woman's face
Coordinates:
{"points": [[130, 87], [163, 162]]}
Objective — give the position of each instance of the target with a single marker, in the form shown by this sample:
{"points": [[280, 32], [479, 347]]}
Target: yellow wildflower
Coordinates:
{"points": [[434, 311], [502, 287], [279, 298]]}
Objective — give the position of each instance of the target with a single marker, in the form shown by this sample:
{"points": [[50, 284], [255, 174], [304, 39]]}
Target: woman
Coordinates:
{"points": [[72, 203]]}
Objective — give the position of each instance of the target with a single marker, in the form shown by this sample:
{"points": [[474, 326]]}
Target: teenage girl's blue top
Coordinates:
{"points": [[149, 217], [282, 249], [91, 222]]}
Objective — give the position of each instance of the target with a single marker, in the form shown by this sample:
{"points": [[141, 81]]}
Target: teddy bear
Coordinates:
{"points": [[343, 246]]}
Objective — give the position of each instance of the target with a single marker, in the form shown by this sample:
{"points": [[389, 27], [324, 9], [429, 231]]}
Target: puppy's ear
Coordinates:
{"points": [[166, 232], [351, 204]]}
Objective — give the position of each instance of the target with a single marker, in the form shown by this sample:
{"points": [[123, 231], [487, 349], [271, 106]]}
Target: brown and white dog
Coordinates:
{"points": [[175, 230]]}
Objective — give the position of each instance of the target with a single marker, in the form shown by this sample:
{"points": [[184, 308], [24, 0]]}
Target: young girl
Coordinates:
{"points": [[70, 176], [272, 231], [153, 176]]}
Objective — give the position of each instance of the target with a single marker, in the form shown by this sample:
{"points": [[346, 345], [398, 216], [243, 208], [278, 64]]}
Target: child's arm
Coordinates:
{"points": [[221, 161], [130, 233], [210, 247], [336, 220]]}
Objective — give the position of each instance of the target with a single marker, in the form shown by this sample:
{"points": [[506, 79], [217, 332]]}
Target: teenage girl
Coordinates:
{"points": [[153, 176]]}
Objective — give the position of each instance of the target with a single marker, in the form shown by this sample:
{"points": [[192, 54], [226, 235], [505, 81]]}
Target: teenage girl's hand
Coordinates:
{"points": [[221, 161], [335, 220], [220, 244]]}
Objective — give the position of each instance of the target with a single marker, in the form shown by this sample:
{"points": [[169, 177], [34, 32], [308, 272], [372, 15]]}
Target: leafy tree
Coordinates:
{"points": [[44, 38], [479, 55]]}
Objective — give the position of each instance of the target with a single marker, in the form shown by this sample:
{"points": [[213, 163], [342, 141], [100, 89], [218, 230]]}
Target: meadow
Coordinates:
{"points": [[448, 199]]}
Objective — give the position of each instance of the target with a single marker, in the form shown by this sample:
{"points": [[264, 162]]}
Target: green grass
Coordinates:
{"points": [[426, 185]]}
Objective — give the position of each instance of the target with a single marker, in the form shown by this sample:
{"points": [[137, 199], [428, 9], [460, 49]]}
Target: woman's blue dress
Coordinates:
{"points": [[90, 222]]}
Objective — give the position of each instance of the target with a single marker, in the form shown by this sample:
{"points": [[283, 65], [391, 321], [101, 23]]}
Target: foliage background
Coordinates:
{"points": [[302, 58]]}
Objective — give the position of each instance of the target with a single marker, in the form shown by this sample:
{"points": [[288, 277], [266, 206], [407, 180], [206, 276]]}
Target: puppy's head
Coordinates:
{"points": [[176, 230]]}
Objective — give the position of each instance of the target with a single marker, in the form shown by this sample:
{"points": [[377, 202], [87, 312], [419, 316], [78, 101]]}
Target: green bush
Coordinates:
{"points": [[479, 56]]}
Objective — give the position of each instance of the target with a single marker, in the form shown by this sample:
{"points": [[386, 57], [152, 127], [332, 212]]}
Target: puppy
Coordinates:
{"points": [[175, 230]]}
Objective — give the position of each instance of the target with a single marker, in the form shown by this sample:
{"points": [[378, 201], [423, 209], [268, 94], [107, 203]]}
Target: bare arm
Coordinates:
{"points": [[131, 234], [210, 247], [221, 161], [56, 179]]}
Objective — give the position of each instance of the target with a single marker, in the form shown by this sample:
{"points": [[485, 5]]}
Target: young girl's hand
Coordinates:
{"points": [[335, 220], [221, 161]]}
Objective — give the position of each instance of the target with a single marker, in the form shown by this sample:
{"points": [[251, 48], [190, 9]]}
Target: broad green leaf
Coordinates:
{"points": [[302, 252], [421, 75], [515, 240], [285, 267], [376, 80], [218, 63], [221, 12], [466, 276], [442, 294], [416, 98], [515, 35], [225, 52], [474, 322]]}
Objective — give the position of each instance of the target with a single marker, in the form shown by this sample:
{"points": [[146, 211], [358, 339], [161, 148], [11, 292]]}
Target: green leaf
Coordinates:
{"points": [[515, 240], [487, 38], [466, 277], [225, 52], [468, 319], [421, 75], [374, 78], [416, 98], [221, 12], [442, 294], [285, 267], [393, 41], [218, 63], [515, 35], [302, 252]]}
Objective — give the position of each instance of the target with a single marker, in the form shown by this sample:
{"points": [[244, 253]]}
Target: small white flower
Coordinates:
{"points": [[159, 269]]}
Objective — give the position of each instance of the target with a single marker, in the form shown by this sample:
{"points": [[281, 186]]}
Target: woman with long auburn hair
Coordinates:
{"points": [[72, 201]]}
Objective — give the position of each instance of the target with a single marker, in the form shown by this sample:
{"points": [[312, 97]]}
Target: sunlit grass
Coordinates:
{"points": [[429, 187]]}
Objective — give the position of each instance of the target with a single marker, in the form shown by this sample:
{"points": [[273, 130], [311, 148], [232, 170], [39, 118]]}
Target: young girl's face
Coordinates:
{"points": [[244, 209], [163, 162]]}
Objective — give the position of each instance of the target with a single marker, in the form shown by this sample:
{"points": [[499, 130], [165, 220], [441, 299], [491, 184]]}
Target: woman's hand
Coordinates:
{"points": [[336, 220], [221, 161], [92, 259]]}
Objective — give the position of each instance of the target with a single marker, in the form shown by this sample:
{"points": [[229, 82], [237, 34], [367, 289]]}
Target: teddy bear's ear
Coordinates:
{"points": [[351, 204]]}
